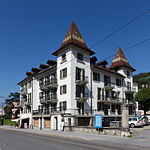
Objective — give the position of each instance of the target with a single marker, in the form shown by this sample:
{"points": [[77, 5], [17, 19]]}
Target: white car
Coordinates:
{"points": [[135, 121], [148, 116]]}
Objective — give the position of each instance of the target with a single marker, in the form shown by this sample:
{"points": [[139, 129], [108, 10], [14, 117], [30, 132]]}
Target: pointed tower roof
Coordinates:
{"points": [[74, 37], [120, 60]]}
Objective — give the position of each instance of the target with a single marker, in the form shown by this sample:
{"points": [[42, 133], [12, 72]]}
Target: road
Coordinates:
{"points": [[17, 140], [141, 133]]}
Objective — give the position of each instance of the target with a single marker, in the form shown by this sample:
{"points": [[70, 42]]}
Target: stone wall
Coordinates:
{"points": [[104, 131]]}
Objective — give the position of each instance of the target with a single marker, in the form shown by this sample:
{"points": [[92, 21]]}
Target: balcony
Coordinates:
{"points": [[130, 90], [48, 111], [109, 86], [24, 91], [82, 80], [27, 103], [108, 99], [82, 97], [52, 98], [52, 83], [21, 103], [42, 100]]}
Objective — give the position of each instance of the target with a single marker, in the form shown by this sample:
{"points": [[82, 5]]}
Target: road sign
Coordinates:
{"points": [[98, 121]]}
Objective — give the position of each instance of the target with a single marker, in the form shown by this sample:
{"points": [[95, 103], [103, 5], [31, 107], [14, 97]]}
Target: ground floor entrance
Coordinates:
{"points": [[47, 122]]}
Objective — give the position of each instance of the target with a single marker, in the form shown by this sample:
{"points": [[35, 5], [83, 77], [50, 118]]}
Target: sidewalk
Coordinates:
{"points": [[83, 136]]}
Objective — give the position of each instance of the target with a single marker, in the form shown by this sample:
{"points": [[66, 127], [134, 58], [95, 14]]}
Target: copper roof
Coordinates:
{"points": [[74, 37], [120, 60]]}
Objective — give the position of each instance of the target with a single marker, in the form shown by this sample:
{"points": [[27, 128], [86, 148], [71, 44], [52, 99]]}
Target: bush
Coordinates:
{"points": [[8, 122]]}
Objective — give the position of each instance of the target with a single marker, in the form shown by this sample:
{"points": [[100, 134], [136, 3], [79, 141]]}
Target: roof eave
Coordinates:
{"points": [[61, 48]]}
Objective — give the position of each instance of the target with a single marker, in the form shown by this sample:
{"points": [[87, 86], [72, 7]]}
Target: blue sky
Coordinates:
{"points": [[30, 30]]}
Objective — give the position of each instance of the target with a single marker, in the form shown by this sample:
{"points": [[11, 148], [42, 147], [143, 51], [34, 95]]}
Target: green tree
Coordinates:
{"points": [[8, 112], [13, 97], [143, 97]]}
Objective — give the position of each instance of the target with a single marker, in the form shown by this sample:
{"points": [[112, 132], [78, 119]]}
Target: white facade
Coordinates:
{"points": [[60, 93]]}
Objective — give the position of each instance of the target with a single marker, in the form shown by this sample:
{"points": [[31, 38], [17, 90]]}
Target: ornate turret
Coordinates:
{"points": [[73, 37], [120, 60]]}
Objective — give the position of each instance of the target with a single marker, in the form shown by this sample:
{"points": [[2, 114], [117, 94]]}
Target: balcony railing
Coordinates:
{"points": [[27, 103], [51, 98], [109, 85], [52, 83], [24, 91], [82, 96], [81, 80], [50, 111], [61, 110], [109, 98], [130, 89]]}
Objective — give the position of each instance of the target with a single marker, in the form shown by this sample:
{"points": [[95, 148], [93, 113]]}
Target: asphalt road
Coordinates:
{"points": [[17, 140]]}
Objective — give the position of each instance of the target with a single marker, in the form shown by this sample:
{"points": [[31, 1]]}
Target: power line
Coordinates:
{"points": [[119, 29], [126, 49], [130, 47]]}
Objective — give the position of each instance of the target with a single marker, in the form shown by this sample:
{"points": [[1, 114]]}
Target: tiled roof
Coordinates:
{"points": [[36, 70], [29, 73], [74, 37], [120, 60], [43, 66], [51, 62]]}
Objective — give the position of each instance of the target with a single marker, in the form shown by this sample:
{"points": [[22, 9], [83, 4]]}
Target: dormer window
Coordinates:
{"points": [[80, 57], [64, 57], [128, 74]]}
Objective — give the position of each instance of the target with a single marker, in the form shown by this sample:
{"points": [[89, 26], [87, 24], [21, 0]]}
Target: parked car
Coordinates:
{"points": [[135, 121], [145, 120], [148, 116]]}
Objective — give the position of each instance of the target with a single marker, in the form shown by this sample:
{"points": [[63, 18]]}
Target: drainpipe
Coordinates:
{"points": [[91, 91], [32, 106]]}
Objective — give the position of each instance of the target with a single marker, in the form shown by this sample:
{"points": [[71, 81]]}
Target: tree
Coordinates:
{"points": [[8, 112], [14, 97], [143, 97]]}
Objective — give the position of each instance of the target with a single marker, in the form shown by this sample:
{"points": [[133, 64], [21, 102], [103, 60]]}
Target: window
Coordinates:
{"points": [[41, 82], [99, 93], [99, 106], [29, 97], [128, 85], [106, 80], [63, 89], [128, 74], [41, 95], [113, 94], [63, 106], [118, 82], [80, 91], [134, 119], [80, 56], [64, 57], [80, 74], [96, 76], [63, 73], [29, 84]]}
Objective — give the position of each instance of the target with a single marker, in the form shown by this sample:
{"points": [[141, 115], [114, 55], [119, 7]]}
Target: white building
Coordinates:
{"points": [[2, 111], [74, 88]]}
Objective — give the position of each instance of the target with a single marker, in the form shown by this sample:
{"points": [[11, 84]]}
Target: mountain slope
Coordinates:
{"points": [[142, 79]]}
